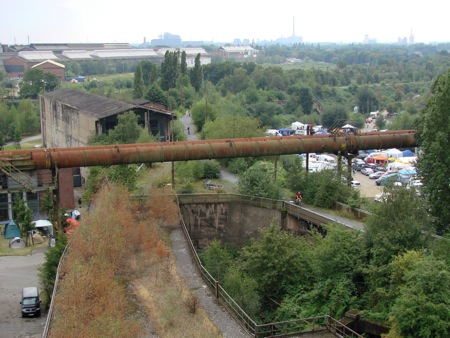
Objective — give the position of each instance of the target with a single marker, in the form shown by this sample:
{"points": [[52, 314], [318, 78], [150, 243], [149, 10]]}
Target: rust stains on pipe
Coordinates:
{"points": [[197, 150]]}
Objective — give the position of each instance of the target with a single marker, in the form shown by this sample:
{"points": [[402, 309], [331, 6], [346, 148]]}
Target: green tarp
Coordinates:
{"points": [[12, 230]]}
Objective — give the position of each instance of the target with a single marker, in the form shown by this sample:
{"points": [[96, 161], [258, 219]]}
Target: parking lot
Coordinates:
{"points": [[368, 187], [17, 272]]}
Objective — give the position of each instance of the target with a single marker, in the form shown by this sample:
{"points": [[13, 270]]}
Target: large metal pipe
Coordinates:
{"points": [[197, 150]]}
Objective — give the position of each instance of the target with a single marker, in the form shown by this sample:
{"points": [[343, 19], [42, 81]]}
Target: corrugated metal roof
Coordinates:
{"points": [[37, 56], [236, 49], [121, 53], [89, 104], [189, 51], [76, 54]]}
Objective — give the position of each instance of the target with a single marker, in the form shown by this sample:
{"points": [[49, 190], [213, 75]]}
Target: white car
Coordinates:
{"points": [[376, 174], [367, 171], [356, 184]]}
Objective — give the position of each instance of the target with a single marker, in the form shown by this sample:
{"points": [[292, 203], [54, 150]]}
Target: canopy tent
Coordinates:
{"points": [[348, 126], [44, 225], [380, 158], [394, 153], [297, 125], [12, 230]]}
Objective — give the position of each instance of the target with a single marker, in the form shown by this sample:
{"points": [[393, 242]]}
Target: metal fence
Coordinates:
{"points": [[55, 286], [277, 329]]}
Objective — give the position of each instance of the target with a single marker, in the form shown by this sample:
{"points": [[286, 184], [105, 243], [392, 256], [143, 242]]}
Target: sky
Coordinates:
{"points": [[120, 21]]}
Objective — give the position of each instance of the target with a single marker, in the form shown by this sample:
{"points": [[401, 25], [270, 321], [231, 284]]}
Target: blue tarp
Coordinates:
{"points": [[408, 153], [408, 172]]}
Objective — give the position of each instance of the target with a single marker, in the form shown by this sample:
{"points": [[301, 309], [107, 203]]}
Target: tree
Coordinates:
{"points": [[422, 305], [127, 129], [36, 81], [380, 122], [156, 95], [367, 101], [22, 213], [138, 86], [217, 259], [183, 63], [231, 126], [169, 70], [333, 116], [434, 160], [300, 96], [259, 180], [28, 120], [149, 72], [197, 74], [275, 261]]}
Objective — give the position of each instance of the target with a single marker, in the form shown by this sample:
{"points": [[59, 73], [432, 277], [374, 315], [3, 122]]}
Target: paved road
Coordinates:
{"points": [[17, 272], [26, 139]]}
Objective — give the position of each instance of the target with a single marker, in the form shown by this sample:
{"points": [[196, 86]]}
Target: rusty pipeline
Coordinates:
{"points": [[49, 158]]}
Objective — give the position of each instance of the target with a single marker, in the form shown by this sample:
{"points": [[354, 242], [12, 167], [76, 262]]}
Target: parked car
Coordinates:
{"points": [[367, 171], [390, 179], [376, 174], [31, 304], [357, 162], [356, 184], [211, 186]]}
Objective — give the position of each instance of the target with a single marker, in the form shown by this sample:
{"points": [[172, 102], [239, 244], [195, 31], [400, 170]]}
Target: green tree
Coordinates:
{"points": [[197, 74], [183, 63], [28, 120], [367, 101], [156, 95], [126, 175], [243, 289], [138, 86], [334, 116], [202, 111], [36, 81], [434, 159], [217, 259], [169, 70], [47, 271], [275, 261], [422, 305], [231, 126], [22, 213], [149, 72], [127, 129], [259, 180]]}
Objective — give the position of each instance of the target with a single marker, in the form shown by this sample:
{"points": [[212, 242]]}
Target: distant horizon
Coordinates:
{"points": [[323, 21]]}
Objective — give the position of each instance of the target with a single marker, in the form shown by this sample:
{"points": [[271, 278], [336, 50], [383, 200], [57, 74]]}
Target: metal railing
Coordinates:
{"points": [[277, 329], [55, 286]]}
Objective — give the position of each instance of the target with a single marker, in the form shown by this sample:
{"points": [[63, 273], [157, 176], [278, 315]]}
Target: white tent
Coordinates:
{"points": [[348, 126], [44, 225], [297, 125], [394, 153]]}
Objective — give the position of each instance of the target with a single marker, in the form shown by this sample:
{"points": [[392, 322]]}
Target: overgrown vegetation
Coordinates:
{"points": [[120, 252], [387, 272]]}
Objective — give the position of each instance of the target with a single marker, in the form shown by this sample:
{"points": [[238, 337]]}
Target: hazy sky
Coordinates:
{"points": [[40, 21]]}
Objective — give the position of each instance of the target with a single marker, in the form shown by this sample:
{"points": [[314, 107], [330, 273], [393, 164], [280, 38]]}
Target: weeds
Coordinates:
{"points": [[114, 251]]}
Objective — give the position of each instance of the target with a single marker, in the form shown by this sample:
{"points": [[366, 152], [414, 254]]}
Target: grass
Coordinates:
{"points": [[25, 145], [5, 250]]}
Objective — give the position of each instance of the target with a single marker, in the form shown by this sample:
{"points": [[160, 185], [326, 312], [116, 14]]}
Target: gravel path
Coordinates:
{"points": [[185, 265]]}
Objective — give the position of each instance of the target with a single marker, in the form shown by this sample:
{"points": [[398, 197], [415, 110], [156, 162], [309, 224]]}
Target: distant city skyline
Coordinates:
{"points": [[105, 21]]}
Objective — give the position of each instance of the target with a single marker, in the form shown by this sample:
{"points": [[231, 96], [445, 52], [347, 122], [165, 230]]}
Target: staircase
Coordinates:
{"points": [[11, 171]]}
